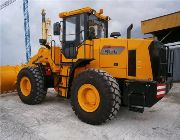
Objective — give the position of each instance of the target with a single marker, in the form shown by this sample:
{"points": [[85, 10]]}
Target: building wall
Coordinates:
{"points": [[161, 23]]}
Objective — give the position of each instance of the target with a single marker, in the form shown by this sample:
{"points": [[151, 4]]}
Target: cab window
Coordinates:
{"points": [[71, 29], [97, 27]]}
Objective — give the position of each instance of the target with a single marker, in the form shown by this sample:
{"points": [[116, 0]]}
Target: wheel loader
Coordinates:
{"points": [[96, 72]]}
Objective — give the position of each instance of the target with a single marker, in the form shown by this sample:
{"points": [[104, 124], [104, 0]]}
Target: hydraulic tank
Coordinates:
{"points": [[8, 78]]}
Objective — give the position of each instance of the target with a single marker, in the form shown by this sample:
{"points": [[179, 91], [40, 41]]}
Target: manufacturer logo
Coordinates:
{"points": [[112, 50]]}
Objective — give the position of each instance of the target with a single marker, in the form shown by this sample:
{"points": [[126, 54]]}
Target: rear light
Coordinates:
{"points": [[47, 71], [161, 90]]}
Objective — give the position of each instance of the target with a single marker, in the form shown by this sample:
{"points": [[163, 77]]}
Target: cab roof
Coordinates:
{"points": [[84, 10]]}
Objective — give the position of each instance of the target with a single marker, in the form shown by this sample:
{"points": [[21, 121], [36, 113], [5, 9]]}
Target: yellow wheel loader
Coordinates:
{"points": [[96, 72]]}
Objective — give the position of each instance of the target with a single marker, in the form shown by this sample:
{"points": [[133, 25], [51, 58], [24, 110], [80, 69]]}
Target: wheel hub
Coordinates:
{"points": [[88, 98], [25, 86]]}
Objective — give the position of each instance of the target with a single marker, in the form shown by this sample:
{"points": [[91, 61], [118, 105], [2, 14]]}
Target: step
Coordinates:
{"points": [[136, 109]]}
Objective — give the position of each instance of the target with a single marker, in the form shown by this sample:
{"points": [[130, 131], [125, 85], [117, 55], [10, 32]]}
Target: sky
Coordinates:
{"points": [[122, 13]]}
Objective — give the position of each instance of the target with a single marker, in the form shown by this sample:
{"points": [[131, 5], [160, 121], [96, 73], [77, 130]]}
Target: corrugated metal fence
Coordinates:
{"points": [[176, 71]]}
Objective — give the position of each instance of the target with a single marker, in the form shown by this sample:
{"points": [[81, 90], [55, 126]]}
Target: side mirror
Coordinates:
{"points": [[57, 28], [42, 41], [115, 34]]}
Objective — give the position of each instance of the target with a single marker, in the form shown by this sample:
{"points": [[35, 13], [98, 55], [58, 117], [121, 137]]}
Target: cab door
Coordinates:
{"points": [[70, 36]]}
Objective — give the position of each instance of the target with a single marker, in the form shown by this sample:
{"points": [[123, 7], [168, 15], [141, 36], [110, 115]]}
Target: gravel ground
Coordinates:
{"points": [[55, 120]]}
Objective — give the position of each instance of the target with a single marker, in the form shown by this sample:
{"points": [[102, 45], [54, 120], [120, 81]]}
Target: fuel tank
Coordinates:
{"points": [[8, 77]]}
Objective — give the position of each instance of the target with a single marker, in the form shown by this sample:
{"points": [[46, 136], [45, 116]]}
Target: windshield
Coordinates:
{"points": [[98, 26]]}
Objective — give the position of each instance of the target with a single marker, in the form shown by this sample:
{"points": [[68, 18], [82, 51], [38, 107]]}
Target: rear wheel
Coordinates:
{"points": [[95, 96], [30, 85]]}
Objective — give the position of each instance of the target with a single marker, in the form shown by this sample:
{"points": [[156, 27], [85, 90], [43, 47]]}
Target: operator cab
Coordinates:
{"points": [[79, 26]]}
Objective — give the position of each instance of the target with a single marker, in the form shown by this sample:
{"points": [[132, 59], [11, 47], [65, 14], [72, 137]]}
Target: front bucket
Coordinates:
{"points": [[8, 78]]}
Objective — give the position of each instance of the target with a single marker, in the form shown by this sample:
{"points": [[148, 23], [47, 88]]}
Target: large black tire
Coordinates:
{"points": [[109, 92], [38, 90]]}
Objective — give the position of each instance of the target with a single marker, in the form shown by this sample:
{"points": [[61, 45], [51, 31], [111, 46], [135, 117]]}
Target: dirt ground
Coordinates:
{"points": [[55, 120]]}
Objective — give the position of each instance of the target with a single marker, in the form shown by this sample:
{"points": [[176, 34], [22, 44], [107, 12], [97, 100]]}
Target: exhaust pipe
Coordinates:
{"points": [[129, 31]]}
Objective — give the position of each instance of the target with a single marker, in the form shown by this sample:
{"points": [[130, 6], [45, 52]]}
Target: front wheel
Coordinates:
{"points": [[95, 96], [30, 85]]}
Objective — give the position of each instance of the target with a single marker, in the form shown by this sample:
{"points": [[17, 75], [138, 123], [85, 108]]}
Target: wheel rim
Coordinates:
{"points": [[88, 98], [25, 86]]}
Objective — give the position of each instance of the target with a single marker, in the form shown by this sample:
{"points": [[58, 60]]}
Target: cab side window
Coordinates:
{"points": [[81, 28]]}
